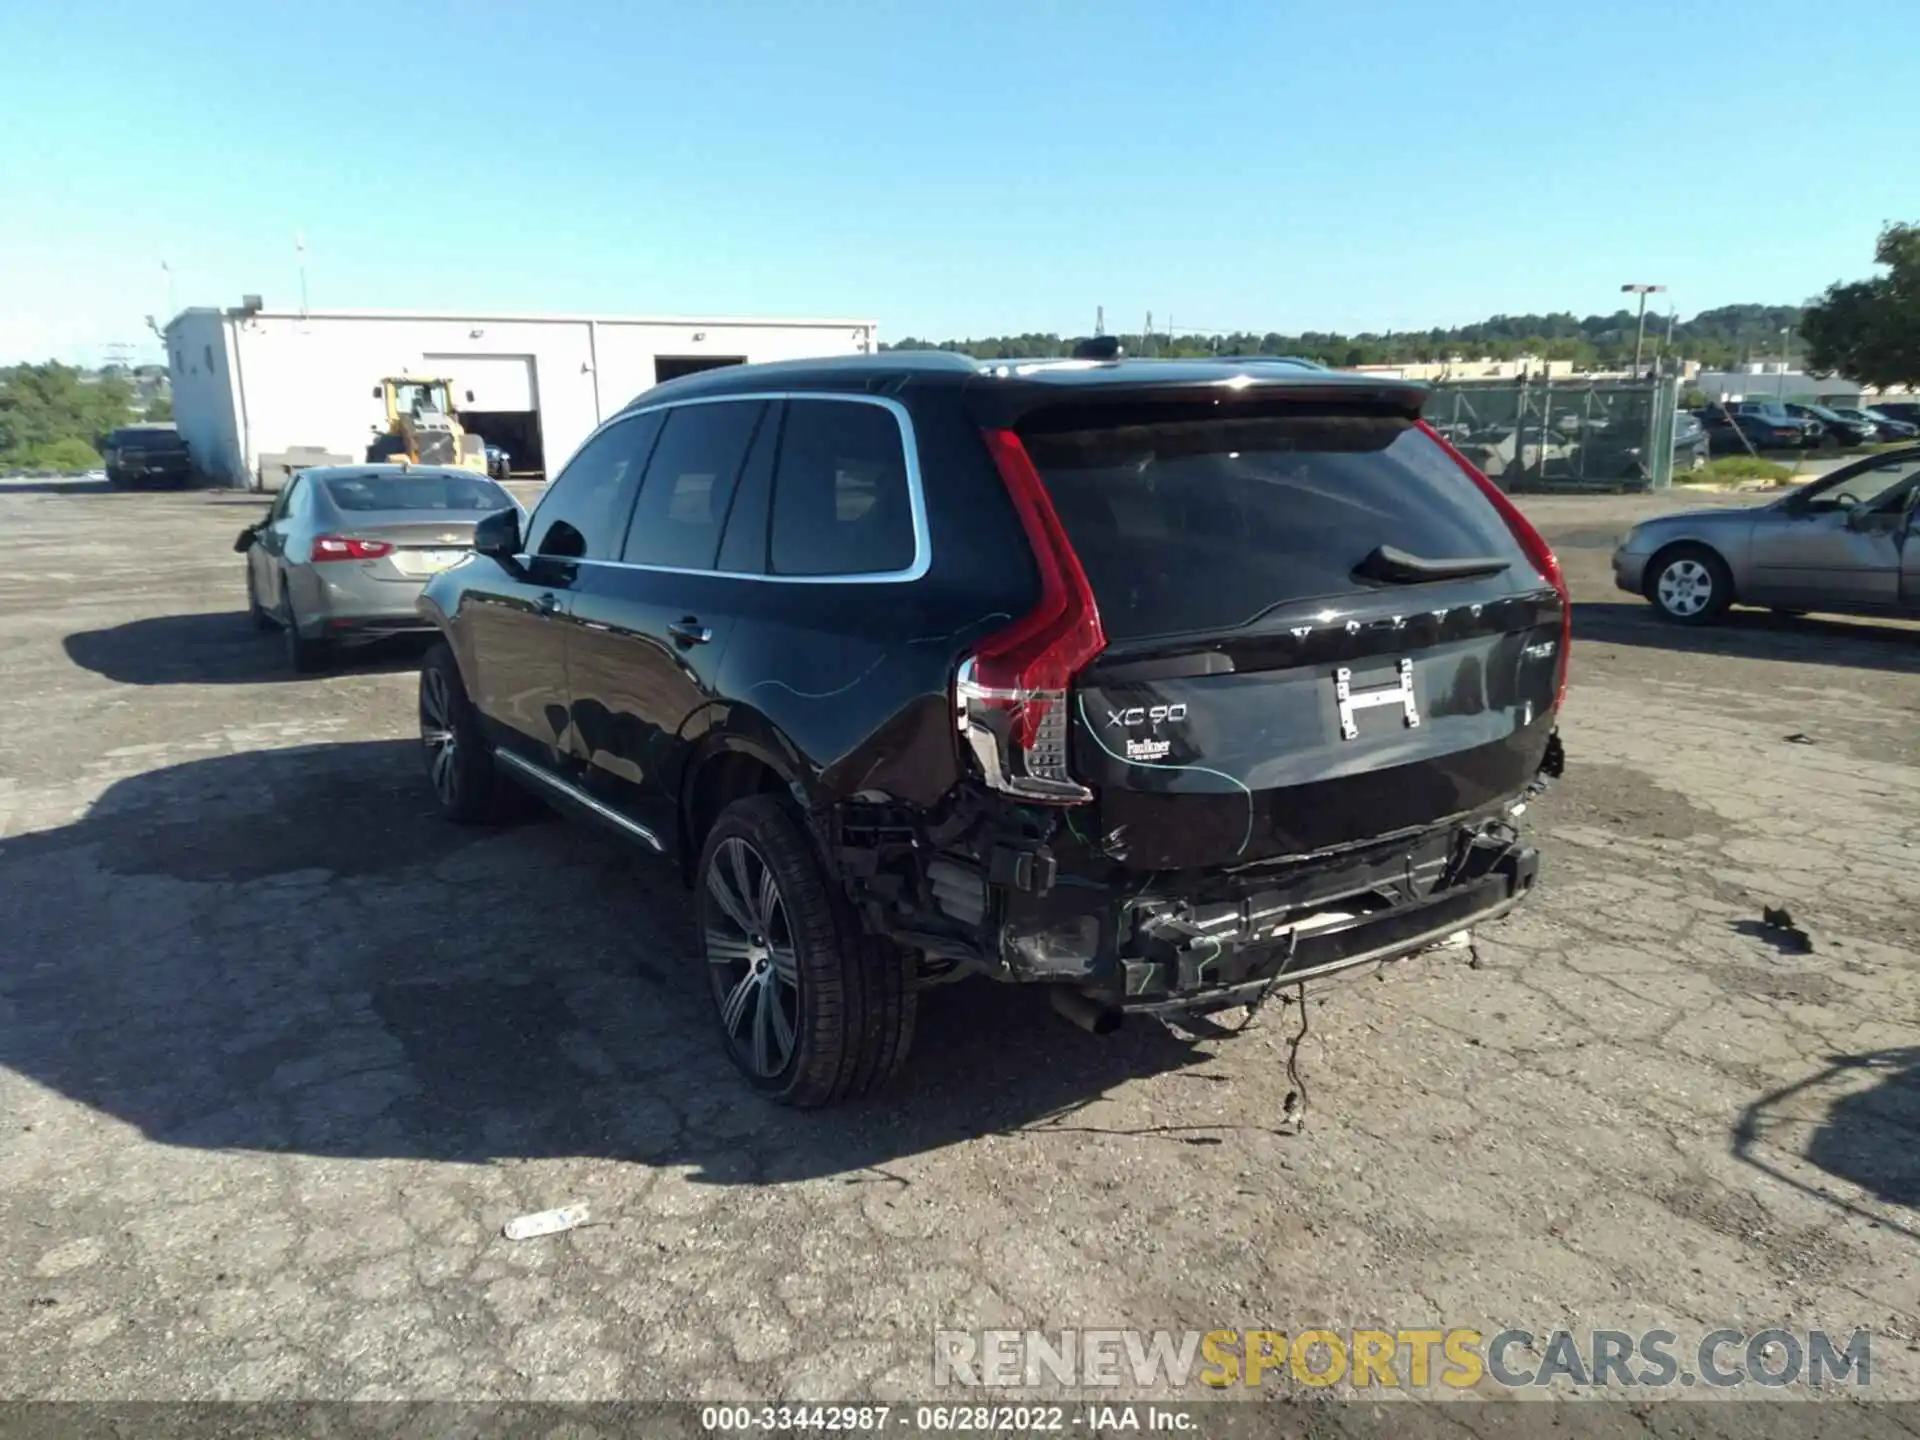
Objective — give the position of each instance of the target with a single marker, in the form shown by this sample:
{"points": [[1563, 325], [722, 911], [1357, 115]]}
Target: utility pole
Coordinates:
{"points": [[1780, 380], [1146, 336], [1640, 330], [300, 256], [1099, 320]]}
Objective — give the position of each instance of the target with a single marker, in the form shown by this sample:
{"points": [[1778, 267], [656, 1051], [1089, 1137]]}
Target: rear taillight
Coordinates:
{"points": [[348, 547], [1532, 543], [1011, 693]]}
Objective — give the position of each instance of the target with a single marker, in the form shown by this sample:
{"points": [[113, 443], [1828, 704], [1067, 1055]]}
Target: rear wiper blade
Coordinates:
{"points": [[1397, 567]]}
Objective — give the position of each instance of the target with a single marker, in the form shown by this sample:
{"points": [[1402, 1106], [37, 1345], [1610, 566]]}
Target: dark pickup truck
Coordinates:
{"points": [[148, 457]]}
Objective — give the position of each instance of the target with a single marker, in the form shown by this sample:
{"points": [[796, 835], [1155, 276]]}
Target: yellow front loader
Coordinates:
{"points": [[423, 427]]}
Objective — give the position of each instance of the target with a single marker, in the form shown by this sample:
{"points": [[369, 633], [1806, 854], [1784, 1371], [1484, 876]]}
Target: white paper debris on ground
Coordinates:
{"points": [[546, 1222], [1459, 940]]}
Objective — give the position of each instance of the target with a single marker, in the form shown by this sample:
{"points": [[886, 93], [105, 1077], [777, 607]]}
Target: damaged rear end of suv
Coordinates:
{"points": [[1157, 685], [1291, 676]]}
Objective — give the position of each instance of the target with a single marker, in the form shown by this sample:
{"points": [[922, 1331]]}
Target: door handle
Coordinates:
{"points": [[690, 631], [548, 604]]}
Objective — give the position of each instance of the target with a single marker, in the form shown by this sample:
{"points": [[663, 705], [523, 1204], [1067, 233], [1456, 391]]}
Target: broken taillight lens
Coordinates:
{"points": [[1011, 693], [1532, 543]]}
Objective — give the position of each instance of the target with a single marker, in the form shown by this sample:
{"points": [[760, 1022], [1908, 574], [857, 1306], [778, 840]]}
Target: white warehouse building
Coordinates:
{"points": [[258, 391]]}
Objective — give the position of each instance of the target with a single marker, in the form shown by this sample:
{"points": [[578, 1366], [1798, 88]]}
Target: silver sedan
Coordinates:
{"points": [[345, 551], [1847, 543]]}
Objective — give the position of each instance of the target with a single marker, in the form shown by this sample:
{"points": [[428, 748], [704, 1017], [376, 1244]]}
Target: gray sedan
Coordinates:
{"points": [[1847, 543], [345, 551]]}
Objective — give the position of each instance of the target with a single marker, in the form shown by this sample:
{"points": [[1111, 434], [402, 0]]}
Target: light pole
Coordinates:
{"points": [[1780, 380], [1640, 329]]}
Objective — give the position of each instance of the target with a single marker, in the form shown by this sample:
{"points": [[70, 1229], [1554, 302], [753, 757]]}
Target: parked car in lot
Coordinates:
{"points": [[1906, 412], [1836, 429], [1768, 427], [1845, 543], [1614, 453], [342, 555], [153, 456], [1888, 427], [1157, 684], [1692, 446]]}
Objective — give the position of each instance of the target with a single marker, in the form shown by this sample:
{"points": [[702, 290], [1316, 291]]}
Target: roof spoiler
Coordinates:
{"points": [[1011, 400]]}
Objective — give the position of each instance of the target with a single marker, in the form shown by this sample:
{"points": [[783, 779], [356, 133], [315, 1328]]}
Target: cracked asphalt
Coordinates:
{"points": [[280, 1051]]}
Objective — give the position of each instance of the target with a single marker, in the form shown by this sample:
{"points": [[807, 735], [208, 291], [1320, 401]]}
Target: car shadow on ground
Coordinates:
{"points": [[1753, 635], [289, 951], [217, 649], [1868, 1134]]}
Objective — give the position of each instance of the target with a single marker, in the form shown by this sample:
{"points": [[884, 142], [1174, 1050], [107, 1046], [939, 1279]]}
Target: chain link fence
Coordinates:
{"points": [[1567, 435]]}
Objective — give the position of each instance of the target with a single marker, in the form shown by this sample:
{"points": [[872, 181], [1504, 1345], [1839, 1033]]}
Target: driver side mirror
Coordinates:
{"points": [[378, 392], [498, 535], [245, 542]]}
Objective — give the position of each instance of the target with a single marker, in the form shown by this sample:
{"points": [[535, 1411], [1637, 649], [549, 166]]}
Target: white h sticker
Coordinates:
{"points": [[1399, 693]]}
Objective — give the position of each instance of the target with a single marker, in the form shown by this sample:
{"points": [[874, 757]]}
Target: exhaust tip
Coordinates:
{"points": [[1094, 1016]]}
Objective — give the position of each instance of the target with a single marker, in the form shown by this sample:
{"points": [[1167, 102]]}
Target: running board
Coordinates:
{"points": [[574, 793]]}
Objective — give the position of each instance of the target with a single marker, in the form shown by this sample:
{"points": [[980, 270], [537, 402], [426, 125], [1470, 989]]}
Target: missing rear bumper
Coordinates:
{"points": [[1208, 944], [1205, 973]]}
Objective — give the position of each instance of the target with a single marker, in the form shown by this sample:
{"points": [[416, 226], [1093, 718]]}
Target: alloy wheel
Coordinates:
{"points": [[751, 959], [1685, 588], [437, 735]]}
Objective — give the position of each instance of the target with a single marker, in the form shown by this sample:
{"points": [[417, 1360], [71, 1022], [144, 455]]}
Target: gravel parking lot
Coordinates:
{"points": [[280, 1051]]}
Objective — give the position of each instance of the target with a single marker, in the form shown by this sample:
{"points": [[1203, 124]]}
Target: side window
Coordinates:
{"points": [[689, 485], [283, 502], [840, 501], [579, 516]]}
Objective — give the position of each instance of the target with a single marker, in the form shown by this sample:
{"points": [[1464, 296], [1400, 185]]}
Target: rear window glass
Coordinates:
{"points": [[1204, 525], [147, 440], [841, 505], [359, 493]]}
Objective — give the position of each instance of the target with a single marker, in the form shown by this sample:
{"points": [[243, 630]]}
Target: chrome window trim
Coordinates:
{"points": [[580, 797], [916, 492]]}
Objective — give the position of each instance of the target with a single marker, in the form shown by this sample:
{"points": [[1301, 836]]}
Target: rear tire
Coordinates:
{"points": [[1689, 585], [812, 1009], [467, 784], [304, 656]]}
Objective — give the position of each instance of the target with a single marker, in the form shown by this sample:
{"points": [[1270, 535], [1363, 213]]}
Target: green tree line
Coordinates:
{"points": [[1729, 335], [55, 416]]}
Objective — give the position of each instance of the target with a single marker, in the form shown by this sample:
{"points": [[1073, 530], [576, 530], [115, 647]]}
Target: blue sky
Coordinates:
{"points": [[945, 169]]}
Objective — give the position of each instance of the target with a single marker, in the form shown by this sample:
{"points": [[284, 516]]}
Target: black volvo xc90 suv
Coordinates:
{"points": [[1155, 683]]}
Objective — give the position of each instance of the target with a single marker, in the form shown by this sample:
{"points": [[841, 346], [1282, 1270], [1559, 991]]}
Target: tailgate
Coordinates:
{"points": [[1272, 686]]}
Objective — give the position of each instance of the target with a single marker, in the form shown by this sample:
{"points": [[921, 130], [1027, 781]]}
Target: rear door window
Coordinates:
{"points": [[1203, 525], [580, 516], [689, 485], [841, 504]]}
